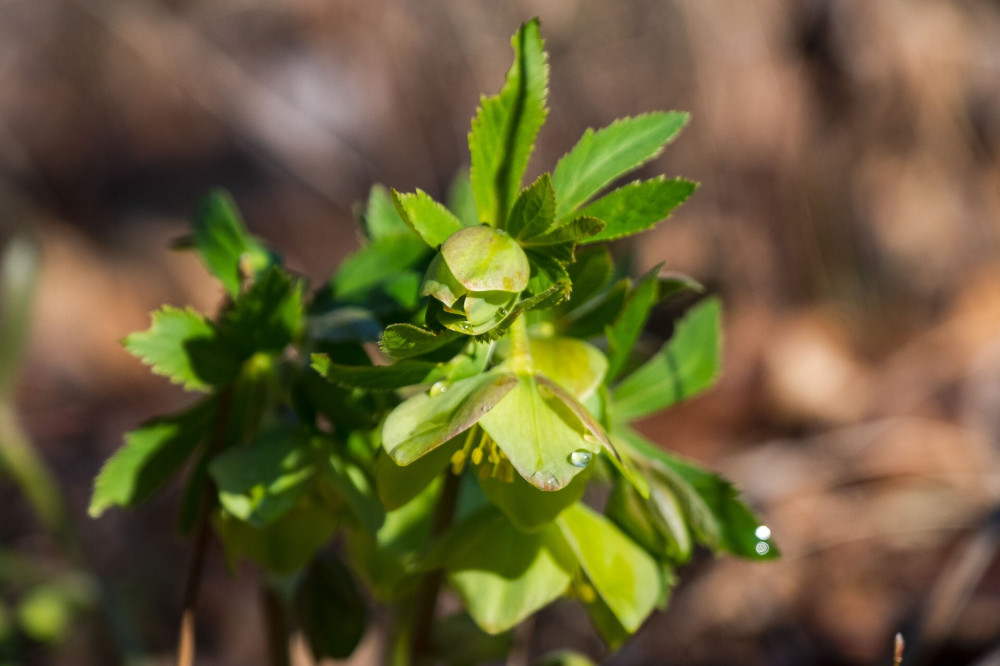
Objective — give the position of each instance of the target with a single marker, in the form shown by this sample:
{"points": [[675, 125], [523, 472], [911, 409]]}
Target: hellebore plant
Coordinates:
{"points": [[504, 384]]}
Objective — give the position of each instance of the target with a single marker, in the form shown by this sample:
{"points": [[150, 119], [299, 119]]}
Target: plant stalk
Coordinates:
{"points": [[425, 604], [186, 639], [276, 627]]}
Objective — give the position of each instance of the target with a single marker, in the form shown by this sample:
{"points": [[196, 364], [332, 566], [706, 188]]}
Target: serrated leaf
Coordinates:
{"points": [[429, 219], [266, 316], [151, 455], [184, 346], [616, 566], [402, 341], [637, 206], [546, 269], [259, 482], [504, 575], [685, 366], [424, 422], [602, 156], [330, 609], [539, 434], [222, 241], [534, 211], [504, 129], [624, 332], [379, 377], [571, 232]]}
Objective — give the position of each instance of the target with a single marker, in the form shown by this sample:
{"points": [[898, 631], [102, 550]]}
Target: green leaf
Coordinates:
{"points": [[376, 263], [432, 221], [621, 572], [266, 316], [484, 259], [426, 421], [685, 366], [674, 284], [566, 235], [379, 377], [284, 545], [152, 454], [259, 482], [504, 575], [330, 609], [357, 489], [381, 219], [222, 241], [624, 332], [604, 620], [591, 273], [589, 319], [398, 485], [575, 365], [659, 524], [526, 507], [716, 515], [547, 269], [637, 206], [402, 341], [534, 211], [549, 298], [184, 346], [504, 129], [461, 200], [602, 156], [458, 641], [540, 435]]}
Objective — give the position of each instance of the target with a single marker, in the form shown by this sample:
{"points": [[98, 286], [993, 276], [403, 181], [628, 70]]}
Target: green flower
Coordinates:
{"points": [[475, 279]]}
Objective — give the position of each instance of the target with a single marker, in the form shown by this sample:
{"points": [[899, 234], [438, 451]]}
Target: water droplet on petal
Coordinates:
{"points": [[591, 439], [763, 532], [580, 458], [762, 548], [502, 312], [438, 388], [485, 408], [465, 326]]}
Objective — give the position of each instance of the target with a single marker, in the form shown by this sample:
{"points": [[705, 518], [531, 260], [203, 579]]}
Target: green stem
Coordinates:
{"points": [[520, 347], [425, 604]]}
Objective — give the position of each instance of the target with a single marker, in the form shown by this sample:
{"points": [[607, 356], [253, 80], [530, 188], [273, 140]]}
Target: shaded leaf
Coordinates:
{"points": [[527, 507], [406, 340], [222, 241], [534, 211], [685, 366], [329, 609], [624, 332]]}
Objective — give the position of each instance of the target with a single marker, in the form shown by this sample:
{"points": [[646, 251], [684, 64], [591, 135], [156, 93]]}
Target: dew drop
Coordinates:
{"points": [[485, 408], [763, 532], [580, 458], [465, 326], [762, 548], [544, 480], [502, 312], [438, 387], [591, 439]]}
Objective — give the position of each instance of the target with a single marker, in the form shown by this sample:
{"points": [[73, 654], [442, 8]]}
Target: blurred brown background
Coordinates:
{"points": [[849, 155]]}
